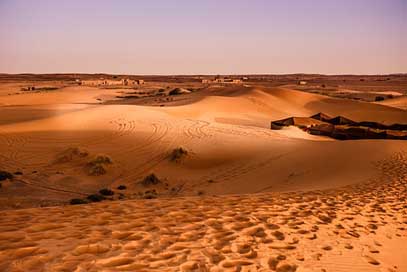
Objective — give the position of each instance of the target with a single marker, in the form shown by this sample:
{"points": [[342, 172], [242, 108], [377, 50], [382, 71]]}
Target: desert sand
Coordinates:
{"points": [[242, 198], [399, 102]]}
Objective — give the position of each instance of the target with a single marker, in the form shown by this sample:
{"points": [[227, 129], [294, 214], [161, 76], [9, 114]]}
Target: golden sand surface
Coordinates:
{"points": [[244, 198], [353, 228]]}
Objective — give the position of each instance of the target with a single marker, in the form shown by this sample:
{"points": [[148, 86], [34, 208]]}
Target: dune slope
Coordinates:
{"points": [[225, 133]]}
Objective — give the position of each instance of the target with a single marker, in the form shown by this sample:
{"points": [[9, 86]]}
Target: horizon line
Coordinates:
{"points": [[210, 74]]}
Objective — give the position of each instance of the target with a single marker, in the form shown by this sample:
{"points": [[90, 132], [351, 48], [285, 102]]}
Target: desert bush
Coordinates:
{"points": [[5, 175], [178, 153], [121, 187], [379, 98], [95, 198], [150, 180], [178, 91], [77, 201], [104, 159], [106, 192], [96, 170], [70, 153], [96, 166], [150, 194], [47, 88], [174, 91]]}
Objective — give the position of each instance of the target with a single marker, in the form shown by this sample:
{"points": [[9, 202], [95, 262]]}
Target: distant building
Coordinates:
{"points": [[236, 81], [222, 80], [127, 81], [112, 82], [302, 82]]}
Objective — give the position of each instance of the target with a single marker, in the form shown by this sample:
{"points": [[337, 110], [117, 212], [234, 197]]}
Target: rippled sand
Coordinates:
{"points": [[354, 228]]}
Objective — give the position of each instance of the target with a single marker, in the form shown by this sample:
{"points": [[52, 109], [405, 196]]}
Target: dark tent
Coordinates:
{"points": [[321, 117], [279, 124], [322, 129], [340, 120], [372, 125]]}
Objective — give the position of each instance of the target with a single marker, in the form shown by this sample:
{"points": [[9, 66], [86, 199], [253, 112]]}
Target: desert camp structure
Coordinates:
{"points": [[342, 128], [112, 82], [222, 81]]}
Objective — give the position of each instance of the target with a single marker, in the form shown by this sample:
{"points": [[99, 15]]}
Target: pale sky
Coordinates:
{"points": [[203, 37]]}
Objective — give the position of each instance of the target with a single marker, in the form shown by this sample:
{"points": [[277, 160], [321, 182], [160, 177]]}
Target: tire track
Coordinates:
{"points": [[38, 184], [240, 169]]}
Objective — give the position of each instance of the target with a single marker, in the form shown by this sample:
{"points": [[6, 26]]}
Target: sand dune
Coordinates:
{"points": [[242, 198], [398, 102], [263, 104], [139, 139], [67, 95]]}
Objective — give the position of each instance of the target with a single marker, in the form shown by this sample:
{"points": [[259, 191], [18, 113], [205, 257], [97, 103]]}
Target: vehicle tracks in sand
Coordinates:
{"points": [[39, 184], [239, 169], [28, 151], [196, 129], [155, 152]]}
